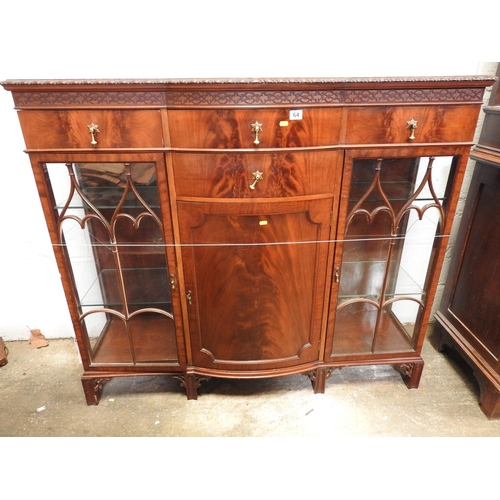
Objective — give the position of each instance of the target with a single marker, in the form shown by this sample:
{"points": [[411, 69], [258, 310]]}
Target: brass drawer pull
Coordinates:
{"points": [[412, 125], [256, 128], [189, 297], [93, 129], [257, 176]]}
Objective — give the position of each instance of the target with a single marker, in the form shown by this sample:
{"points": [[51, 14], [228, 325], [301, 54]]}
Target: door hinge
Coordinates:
{"points": [[172, 281], [336, 277]]}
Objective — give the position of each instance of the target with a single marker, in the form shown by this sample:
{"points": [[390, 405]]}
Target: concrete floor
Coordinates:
{"points": [[41, 395]]}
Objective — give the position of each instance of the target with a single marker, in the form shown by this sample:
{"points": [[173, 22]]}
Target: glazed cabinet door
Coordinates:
{"points": [[255, 281], [393, 233], [110, 227]]}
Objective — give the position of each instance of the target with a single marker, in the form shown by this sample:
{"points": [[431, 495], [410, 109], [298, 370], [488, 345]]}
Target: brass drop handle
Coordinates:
{"points": [[189, 296], [412, 125], [256, 128], [172, 281], [337, 275], [257, 176], [93, 129]]}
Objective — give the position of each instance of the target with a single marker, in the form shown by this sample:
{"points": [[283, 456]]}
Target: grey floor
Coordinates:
{"points": [[41, 395]]}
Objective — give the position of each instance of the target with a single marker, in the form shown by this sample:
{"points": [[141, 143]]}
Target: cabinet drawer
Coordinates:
{"points": [[389, 124], [232, 128], [235, 175], [69, 129]]}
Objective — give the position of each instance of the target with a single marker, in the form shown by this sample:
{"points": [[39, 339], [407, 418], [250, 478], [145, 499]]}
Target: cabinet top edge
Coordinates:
{"points": [[249, 83]]}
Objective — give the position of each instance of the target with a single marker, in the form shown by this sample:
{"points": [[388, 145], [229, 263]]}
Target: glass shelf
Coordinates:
{"points": [[364, 279], [145, 287], [107, 198], [397, 200]]}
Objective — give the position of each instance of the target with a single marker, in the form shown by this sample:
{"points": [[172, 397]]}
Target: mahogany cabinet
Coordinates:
{"points": [[249, 227], [469, 315]]}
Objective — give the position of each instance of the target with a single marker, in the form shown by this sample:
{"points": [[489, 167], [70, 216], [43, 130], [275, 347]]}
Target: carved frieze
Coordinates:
{"points": [[254, 98], [412, 95], [88, 99], [321, 97], [213, 93]]}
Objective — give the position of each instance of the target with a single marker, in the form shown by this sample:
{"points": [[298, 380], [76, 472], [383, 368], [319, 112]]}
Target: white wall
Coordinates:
{"points": [[151, 39]]}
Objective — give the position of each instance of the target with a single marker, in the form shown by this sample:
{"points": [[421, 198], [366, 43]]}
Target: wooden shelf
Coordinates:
{"points": [[152, 335], [354, 333]]}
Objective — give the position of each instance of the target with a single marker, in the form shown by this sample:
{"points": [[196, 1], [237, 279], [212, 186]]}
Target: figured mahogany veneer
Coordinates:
{"points": [[68, 129], [229, 128], [230, 175], [388, 124], [257, 301], [248, 227]]}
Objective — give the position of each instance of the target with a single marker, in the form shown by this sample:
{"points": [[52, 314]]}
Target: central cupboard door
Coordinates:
{"points": [[255, 281]]}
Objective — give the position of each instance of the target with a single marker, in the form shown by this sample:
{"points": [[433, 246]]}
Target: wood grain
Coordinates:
{"points": [[229, 175], [388, 124], [231, 128], [68, 129], [257, 295]]}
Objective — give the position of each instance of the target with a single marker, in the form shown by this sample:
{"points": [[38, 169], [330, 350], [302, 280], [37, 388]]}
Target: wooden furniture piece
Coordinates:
{"points": [[469, 316], [4, 352], [248, 228]]}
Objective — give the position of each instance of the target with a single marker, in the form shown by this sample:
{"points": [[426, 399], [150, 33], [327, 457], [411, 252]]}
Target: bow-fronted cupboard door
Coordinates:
{"points": [[255, 282]]}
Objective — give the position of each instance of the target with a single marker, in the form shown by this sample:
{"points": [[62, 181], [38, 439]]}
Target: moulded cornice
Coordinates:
{"points": [[250, 81], [231, 92]]}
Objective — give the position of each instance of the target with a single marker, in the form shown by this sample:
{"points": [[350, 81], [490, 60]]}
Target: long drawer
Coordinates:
{"points": [[252, 128], [254, 175]]}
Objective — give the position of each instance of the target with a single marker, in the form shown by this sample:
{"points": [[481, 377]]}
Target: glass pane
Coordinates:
{"points": [[363, 268], [395, 210], [354, 328], [110, 226], [404, 314], [147, 337]]}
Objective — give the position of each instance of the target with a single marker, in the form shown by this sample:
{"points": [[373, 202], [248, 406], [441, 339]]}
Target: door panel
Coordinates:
{"points": [[113, 233], [255, 275], [394, 208]]}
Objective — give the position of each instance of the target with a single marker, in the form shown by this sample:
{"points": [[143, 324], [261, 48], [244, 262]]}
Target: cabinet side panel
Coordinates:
{"points": [[476, 301], [489, 134]]}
